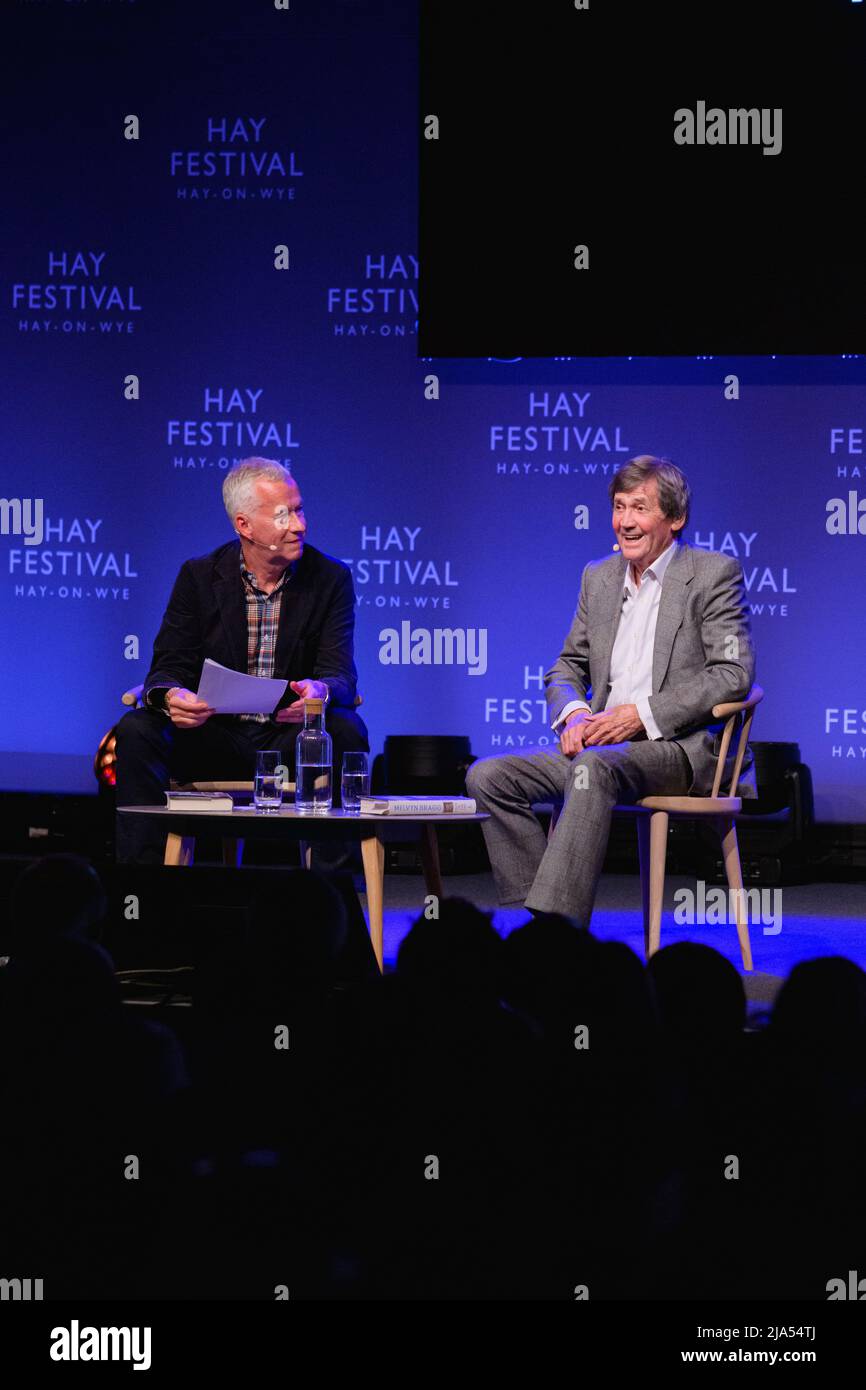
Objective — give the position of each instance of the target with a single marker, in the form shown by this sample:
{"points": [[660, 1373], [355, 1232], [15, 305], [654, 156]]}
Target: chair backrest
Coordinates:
{"points": [[738, 714]]}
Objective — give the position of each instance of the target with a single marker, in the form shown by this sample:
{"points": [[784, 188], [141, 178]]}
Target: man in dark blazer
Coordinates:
{"points": [[266, 604], [661, 634]]}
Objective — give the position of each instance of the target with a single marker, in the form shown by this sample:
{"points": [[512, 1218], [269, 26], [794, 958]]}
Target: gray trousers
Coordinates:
{"points": [[562, 875]]}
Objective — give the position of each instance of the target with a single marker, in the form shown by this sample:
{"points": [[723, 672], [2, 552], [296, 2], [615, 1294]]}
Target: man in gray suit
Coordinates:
{"points": [[661, 634]]}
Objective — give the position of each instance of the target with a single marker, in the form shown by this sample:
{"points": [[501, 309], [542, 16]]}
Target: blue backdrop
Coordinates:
{"points": [[458, 503]]}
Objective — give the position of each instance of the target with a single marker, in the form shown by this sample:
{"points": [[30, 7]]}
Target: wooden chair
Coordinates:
{"points": [[180, 849], [653, 815]]}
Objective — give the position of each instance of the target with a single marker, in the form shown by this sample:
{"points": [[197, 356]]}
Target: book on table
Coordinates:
{"points": [[417, 806], [199, 801]]}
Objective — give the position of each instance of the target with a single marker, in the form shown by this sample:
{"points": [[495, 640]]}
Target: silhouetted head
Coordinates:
{"points": [[456, 953], [819, 1017], [544, 962], [59, 896], [565, 978], [69, 982], [620, 998], [700, 995]]}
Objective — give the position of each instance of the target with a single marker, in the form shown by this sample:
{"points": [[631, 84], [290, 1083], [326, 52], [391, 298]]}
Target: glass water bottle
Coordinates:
{"points": [[313, 763]]}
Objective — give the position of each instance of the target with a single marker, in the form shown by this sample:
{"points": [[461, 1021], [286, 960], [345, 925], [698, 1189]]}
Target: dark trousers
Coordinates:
{"points": [[151, 752]]}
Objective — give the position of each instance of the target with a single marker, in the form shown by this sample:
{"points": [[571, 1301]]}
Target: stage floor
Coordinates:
{"points": [[816, 919]]}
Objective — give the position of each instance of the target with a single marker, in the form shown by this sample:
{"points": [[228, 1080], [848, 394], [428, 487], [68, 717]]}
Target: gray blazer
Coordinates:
{"points": [[703, 604]]}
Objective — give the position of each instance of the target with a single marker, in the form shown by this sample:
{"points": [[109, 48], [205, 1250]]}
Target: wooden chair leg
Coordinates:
{"points": [[233, 852], [727, 828], [179, 849], [658, 853], [643, 854], [373, 855], [430, 860]]}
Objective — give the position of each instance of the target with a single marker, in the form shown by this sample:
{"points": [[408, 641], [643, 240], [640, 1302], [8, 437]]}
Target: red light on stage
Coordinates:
{"points": [[105, 762]]}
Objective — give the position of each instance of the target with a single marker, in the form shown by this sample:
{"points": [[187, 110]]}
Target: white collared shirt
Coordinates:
{"points": [[631, 661]]}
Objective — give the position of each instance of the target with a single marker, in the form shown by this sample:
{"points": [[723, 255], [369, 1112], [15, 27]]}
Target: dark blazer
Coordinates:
{"points": [[206, 617], [702, 655]]}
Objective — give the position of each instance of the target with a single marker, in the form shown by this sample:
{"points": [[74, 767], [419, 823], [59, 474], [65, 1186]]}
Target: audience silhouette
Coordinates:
{"points": [[536, 1117]]}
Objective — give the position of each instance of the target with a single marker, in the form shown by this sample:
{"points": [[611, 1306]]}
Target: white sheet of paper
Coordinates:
{"points": [[232, 692]]}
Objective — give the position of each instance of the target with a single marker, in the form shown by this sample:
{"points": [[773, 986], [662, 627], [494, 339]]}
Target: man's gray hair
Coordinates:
{"points": [[239, 484], [674, 492]]}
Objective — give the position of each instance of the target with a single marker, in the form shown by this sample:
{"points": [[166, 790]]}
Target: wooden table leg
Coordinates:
{"points": [[179, 849], [373, 855], [430, 859]]}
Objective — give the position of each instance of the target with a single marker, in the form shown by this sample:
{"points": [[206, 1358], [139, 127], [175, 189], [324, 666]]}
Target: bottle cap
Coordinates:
{"points": [[314, 705]]}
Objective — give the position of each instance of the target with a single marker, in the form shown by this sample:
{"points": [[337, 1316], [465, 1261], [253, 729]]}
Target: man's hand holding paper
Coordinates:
{"points": [[224, 691], [308, 690]]}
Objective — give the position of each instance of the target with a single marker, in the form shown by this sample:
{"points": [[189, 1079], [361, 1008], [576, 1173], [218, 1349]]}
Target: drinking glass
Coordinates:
{"points": [[270, 776], [355, 781]]}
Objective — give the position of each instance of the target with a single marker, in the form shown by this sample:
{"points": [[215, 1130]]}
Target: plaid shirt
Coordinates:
{"points": [[263, 621]]}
